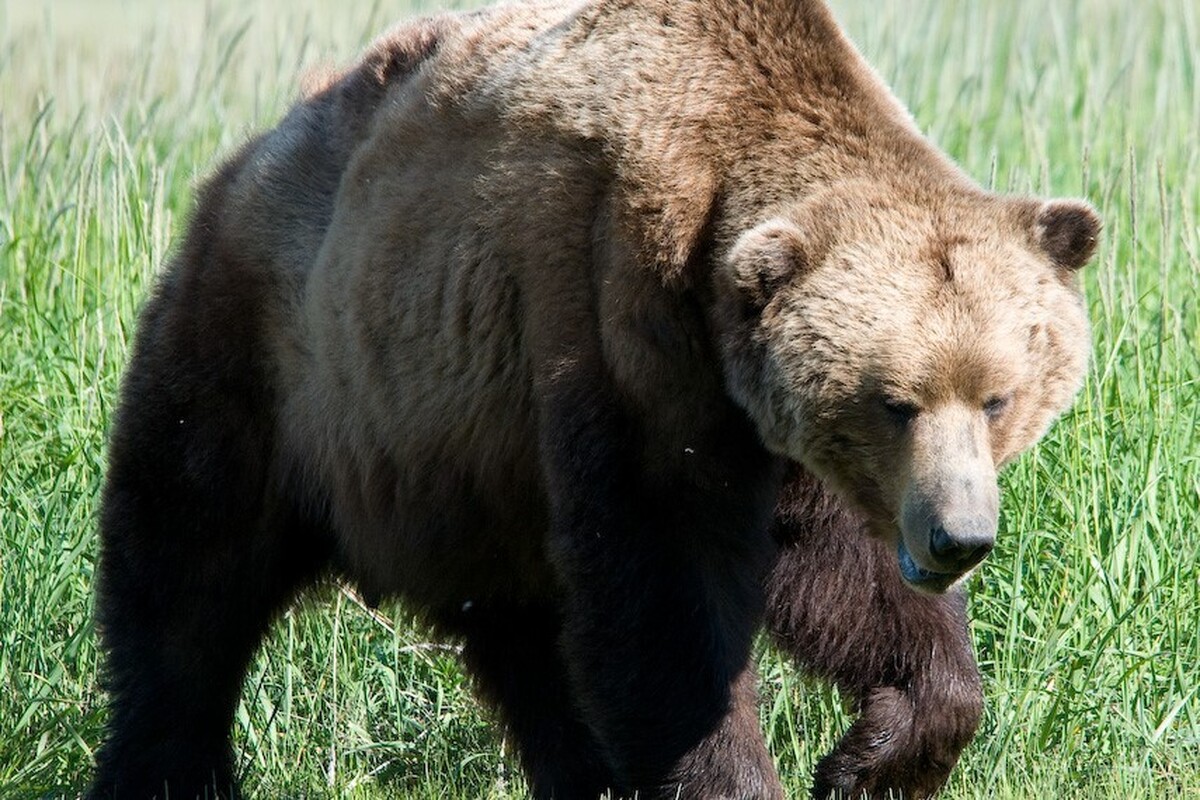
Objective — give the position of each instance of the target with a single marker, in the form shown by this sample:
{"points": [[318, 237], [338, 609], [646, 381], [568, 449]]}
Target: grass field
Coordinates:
{"points": [[1085, 618]]}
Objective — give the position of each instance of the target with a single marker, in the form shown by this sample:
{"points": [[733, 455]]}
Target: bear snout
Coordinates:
{"points": [[944, 535]]}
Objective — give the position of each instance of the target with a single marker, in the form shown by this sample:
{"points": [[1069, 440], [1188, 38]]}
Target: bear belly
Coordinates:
{"points": [[436, 535], [413, 414]]}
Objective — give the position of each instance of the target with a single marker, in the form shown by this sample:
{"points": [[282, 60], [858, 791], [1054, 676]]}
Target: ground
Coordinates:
{"points": [[1084, 616]]}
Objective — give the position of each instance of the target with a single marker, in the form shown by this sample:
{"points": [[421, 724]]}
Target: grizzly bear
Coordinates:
{"points": [[597, 332]]}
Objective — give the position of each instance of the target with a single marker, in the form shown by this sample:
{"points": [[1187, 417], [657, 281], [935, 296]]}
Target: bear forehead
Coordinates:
{"points": [[931, 318], [950, 279], [938, 245]]}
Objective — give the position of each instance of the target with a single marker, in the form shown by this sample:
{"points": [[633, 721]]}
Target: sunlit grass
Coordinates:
{"points": [[1085, 618]]}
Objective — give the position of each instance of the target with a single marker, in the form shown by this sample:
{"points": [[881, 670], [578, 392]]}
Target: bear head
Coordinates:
{"points": [[903, 346]]}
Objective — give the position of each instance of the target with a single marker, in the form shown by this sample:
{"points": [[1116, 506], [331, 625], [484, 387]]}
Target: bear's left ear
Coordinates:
{"points": [[1068, 231], [765, 258]]}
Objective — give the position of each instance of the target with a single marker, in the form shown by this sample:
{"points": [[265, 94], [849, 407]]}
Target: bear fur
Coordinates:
{"points": [[595, 332]]}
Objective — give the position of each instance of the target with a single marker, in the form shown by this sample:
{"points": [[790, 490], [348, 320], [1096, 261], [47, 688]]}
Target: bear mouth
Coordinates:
{"points": [[925, 580]]}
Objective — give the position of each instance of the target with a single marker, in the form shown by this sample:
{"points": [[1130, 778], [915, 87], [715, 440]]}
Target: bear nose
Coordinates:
{"points": [[961, 550]]}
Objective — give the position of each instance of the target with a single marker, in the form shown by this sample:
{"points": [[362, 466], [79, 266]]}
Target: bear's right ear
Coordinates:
{"points": [[765, 258], [1068, 231]]}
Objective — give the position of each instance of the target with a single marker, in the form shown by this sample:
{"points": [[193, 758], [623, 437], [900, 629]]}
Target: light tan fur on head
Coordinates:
{"points": [[912, 344]]}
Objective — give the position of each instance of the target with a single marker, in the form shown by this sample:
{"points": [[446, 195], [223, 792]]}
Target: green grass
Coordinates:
{"points": [[1085, 618]]}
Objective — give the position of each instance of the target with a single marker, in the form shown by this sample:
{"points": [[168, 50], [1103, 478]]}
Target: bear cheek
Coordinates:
{"points": [[858, 489], [753, 382], [1025, 422], [784, 398], [1061, 350], [865, 465], [892, 478]]}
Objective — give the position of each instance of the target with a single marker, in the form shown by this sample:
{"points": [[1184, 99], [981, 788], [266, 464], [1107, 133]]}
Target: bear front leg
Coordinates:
{"points": [[836, 602], [662, 594]]}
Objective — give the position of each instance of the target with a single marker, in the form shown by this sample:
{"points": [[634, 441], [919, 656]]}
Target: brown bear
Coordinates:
{"points": [[592, 330]]}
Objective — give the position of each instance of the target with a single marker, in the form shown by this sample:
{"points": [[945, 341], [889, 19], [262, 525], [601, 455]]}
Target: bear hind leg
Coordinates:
{"points": [[512, 652], [197, 556]]}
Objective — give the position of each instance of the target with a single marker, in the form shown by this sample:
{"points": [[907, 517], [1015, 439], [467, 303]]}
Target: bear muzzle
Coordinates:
{"points": [[946, 534], [949, 498]]}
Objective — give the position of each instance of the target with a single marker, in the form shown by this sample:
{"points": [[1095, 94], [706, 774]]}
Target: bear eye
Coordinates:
{"points": [[995, 406], [901, 411]]}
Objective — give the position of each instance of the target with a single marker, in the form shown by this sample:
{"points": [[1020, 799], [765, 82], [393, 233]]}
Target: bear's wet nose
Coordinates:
{"points": [[960, 550]]}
